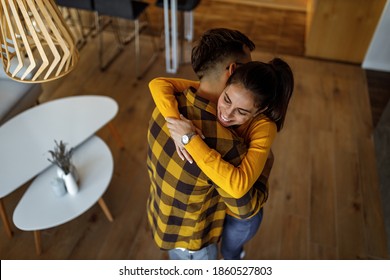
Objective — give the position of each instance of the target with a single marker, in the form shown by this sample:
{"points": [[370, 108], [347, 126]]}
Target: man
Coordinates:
{"points": [[185, 210]]}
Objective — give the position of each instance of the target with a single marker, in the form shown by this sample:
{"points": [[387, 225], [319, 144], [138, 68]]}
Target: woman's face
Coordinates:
{"points": [[236, 105]]}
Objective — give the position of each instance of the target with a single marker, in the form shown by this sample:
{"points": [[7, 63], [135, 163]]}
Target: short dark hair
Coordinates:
{"points": [[217, 45]]}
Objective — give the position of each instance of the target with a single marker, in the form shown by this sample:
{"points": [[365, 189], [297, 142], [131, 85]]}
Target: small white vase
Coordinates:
{"points": [[60, 173], [58, 186], [76, 176], [73, 170], [70, 184]]}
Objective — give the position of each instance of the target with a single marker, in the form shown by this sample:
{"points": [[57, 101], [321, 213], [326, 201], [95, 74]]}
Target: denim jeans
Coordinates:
{"points": [[207, 253], [237, 232]]}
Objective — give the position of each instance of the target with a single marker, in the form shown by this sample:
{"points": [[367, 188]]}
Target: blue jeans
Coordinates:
{"points": [[207, 253], [237, 232]]}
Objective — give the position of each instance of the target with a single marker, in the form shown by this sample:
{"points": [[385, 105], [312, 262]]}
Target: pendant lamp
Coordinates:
{"points": [[36, 44]]}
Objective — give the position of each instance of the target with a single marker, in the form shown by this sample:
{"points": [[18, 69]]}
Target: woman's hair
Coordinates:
{"points": [[217, 45], [271, 83]]}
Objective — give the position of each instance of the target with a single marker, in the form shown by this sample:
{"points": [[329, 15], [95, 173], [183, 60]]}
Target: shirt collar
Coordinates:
{"points": [[199, 101]]}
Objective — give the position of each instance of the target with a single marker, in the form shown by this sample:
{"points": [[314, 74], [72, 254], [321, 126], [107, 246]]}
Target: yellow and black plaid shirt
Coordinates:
{"points": [[185, 209]]}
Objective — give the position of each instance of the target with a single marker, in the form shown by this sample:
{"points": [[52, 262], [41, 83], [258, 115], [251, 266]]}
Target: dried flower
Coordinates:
{"points": [[61, 157]]}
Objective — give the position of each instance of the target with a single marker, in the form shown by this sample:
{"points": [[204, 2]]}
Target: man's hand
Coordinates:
{"points": [[178, 128]]}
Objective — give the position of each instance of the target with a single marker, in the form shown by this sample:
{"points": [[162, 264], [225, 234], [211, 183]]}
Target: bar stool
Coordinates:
{"points": [[85, 5], [128, 10], [186, 8]]}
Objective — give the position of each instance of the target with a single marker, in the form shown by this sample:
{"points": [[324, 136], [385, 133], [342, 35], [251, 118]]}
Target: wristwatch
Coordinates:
{"points": [[185, 139]]}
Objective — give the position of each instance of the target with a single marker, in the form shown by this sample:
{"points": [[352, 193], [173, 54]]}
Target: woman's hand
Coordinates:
{"points": [[178, 128]]}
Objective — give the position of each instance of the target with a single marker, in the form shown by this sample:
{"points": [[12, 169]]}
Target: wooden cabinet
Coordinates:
{"points": [[341, 29]]}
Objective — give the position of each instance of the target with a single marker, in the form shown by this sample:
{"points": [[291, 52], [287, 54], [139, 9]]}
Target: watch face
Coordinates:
{"points": [[185, 139]]}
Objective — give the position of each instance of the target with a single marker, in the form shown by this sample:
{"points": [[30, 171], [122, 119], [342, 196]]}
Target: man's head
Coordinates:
{"points": [[218, 51]]}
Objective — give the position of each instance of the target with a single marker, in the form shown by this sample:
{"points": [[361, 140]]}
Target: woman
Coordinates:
{"points": [[254, 103]]}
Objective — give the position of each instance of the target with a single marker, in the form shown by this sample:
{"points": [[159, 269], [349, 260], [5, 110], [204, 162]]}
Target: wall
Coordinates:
{"points": [[378, 54], [296, 5], [341, 30]]}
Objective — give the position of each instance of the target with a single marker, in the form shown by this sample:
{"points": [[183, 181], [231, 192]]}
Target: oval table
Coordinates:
{"points": [[26, 138], [40, 208]]}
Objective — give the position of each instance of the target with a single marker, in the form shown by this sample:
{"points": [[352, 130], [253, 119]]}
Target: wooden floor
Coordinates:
{"points": [[324, 199]]}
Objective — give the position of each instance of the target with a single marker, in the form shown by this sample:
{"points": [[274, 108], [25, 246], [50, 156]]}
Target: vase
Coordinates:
{"points": [[60, 173], [70, 184], [73, 170], [58, 186], [76, 176]]}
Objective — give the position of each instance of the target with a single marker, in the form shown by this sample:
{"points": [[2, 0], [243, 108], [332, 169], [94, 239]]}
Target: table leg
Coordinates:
{"points": [[4, 217], [37, 237], [105, 210], [189, 26], [170, 31], [116, 135]]}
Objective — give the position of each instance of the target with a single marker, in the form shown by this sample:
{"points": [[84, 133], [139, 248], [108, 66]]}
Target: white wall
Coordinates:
{"points": [[378, 53]]}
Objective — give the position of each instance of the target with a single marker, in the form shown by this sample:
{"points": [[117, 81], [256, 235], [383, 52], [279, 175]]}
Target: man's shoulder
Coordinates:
{"points": [[190, 98]]}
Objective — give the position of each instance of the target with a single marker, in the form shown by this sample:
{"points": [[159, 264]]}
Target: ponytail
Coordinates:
{"points": [[277, 108], [272, 85]]}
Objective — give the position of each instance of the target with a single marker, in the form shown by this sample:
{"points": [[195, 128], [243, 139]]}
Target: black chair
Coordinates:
{"points": [[77, 4], [183, 6], [86, 5], [129, 10]]}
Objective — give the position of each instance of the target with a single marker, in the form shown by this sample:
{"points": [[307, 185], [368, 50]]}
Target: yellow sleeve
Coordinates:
{"points": [[236, 181], [163, 90]]}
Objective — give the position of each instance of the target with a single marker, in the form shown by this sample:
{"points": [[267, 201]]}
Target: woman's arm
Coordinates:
{"points": [[163, 90], [163, 93], [236, 181]]}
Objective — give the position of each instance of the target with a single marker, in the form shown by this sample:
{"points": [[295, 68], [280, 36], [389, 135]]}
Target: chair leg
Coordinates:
{"points": [[189, 26], [138, 26], [77, 25], [182, 37], [97, 24], [188, 34], [105, 64], [84, 35], [153, 58]]}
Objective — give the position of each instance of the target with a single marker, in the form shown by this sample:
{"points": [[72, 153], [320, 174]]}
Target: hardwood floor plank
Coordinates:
{"points": [[323, 196], [349, 196], [266, 244], [295, 238]]}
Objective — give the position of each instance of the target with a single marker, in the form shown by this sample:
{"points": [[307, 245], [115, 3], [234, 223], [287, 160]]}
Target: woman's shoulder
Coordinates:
{"points": [[259, 124]]}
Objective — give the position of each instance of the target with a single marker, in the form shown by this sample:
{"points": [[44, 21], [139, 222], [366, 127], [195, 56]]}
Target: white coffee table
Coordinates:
{"points": [[26, 138], [40, 208]]}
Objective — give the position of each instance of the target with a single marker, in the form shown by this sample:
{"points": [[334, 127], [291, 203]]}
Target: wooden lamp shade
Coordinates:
{"points": [[36, 44]]}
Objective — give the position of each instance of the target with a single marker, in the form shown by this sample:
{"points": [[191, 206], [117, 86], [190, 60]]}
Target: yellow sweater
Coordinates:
{"points": [[259, 134]]}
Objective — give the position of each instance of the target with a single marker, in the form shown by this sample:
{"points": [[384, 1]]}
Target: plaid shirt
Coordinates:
{"points": [[185, 209]]}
